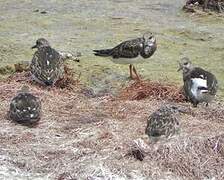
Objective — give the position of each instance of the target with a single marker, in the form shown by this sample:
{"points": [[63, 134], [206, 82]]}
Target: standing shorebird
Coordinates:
{"points": [[47, 64], [127, 52], [199, 85], [163, 123], [25, 108]]}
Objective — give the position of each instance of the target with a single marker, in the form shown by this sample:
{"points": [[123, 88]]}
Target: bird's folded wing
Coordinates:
{"points": [[128, 49]]}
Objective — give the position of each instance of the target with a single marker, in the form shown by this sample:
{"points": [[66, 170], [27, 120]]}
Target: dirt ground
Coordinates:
{"points": [[80, 137]]}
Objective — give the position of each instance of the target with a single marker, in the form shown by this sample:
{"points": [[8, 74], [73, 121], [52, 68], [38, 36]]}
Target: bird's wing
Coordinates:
{"points": [[128, 49], [47, 63], [155, 125], [35, 65], [187, 89], [210, 80], [51, 59], [198, 73]]}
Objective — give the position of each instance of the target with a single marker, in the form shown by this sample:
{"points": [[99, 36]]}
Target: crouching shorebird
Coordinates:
{"points": [[163, 123], [127, 52], [47, 64], [25, 108], [199, 85]]}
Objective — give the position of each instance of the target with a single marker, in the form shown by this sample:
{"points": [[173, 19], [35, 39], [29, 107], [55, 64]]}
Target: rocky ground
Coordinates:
{"points": [[205, 5]]}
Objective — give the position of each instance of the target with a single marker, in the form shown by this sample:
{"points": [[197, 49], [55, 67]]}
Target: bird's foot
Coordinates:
{"points": [[135, 78], [195, 105]]}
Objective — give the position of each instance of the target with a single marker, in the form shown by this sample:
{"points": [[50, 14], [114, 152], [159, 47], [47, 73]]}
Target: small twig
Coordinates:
{"points": [[216, 145]]}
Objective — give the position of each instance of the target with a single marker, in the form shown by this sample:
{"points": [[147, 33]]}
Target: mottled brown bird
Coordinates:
{"points": [[128, 52], [163, 123], [47, 64], [25, 108]]}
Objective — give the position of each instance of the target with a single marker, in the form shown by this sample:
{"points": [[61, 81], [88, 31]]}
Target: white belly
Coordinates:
{"points": [[136, 60], [201, 95], [196, 83]]}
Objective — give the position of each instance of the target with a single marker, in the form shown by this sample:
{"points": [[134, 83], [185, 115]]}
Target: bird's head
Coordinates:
{"points": [[149, 38], [185, 65], [24, 89], [41, 42], [174, 109], [149, 44]]}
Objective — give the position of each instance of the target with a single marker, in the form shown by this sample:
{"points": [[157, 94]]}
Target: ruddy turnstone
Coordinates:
{"points": [[127, 52], [47, 64], [199, 85], [25, 108], [163, 123]]}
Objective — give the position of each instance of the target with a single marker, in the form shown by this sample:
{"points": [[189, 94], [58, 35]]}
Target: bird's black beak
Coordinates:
{"points": [[180, 68], [35, 46]]}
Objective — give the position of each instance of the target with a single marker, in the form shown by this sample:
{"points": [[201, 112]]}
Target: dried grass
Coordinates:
{"points": [[68, 80], [213, 114], [100, 138], [192, 157], [147, 89]]}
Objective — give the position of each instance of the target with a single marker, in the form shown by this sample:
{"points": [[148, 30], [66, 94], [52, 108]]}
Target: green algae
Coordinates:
{"points": [[7, 70], [83, 26]]}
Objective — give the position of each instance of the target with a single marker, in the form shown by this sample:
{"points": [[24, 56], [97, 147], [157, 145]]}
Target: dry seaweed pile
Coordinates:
{"points": [[213, 5], [188, 157], [92, 138], [213, 114], [68, 80], [22, 75], [156, 90], [192, 157], [17, 67], [22, 66]]}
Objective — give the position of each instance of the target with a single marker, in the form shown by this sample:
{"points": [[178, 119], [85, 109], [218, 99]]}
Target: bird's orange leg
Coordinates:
{"points": [[137, 76], [131, 74]]}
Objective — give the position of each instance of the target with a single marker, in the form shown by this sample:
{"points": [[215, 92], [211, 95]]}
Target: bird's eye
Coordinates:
{"points": [[185, 63]]}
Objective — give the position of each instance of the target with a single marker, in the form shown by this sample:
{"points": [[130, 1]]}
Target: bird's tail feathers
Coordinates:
{"points": [[203, 89], [103, 52]]}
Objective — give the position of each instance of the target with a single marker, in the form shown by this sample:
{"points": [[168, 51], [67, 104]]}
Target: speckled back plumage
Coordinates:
{"points": [[162, 123], [144, 47], [25, 108], [47, 65]]}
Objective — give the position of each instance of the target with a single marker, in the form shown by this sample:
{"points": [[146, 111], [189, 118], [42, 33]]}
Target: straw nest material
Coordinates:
{"points": [[148, 89], [91, 138], [68, 81]]}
